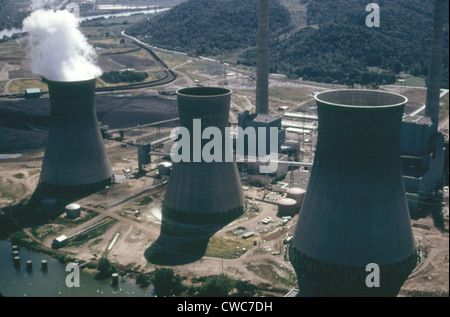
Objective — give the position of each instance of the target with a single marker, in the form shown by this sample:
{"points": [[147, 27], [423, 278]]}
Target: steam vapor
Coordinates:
{"points": [[56, 48]]}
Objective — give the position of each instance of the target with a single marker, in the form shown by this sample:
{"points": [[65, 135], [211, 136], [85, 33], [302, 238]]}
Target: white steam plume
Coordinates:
{"points": [[57, 49]]}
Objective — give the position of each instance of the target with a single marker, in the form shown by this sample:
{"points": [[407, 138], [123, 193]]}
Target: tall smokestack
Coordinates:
{"points": [[355, 210], [262, 72], [75, 158], [435, 66], [201, 192]]}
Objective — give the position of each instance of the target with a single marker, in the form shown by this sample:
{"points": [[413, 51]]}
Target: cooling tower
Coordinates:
{"points": [[262, 72], [435, 66], [355, 210], [201, 192], [75, 159]]}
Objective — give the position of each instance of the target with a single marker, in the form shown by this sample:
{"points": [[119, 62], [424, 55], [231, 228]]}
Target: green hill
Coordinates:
{"points": [[205, 27], [335, 45]]}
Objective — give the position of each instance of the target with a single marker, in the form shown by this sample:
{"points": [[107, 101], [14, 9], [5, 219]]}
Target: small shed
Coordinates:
{"points": [[60, 242], [32, 93], [248, 235]]}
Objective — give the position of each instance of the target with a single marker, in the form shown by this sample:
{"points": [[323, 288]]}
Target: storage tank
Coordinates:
{"points": [[355, 210], [164, 168], [75, 159], [202, 192], [73, 211], [287, 207], [297, 194]]}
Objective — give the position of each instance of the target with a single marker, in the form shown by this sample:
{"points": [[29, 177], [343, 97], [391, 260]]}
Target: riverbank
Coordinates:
{"points": [[51, 282]]}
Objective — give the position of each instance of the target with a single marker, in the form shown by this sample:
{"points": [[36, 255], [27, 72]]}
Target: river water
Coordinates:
{"points": [[11, 32], [18, 282]]}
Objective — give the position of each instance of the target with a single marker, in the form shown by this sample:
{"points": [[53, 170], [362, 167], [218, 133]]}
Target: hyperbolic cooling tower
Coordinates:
{"points": [[355, 210], [262, 72], [75, 159], [435, 66], [204, 192]]}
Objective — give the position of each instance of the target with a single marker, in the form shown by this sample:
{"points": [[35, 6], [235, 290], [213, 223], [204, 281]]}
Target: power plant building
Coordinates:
{"points": [[259, 122], [253, 166], [423, 150], [423, 157], [355, 211]]}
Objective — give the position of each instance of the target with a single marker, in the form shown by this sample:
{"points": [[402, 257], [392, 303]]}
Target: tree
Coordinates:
{"points": [[216, 286], [166, 283], [143, 280], [245, 289], [105, 268]]}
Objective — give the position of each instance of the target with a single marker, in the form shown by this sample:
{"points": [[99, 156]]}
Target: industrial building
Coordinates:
{"points": [[422, 147], [355, 210], [75, 159], [423, 157], [256, 121], [251, 169]]}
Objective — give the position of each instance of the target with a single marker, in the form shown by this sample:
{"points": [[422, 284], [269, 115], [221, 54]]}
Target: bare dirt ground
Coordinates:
{"points": [[431, 276]]}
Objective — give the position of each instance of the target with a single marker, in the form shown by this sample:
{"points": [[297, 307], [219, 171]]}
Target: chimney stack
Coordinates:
{"points": [[435, 66], [262, 71]]}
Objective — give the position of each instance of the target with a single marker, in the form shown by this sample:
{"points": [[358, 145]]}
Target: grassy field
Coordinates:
{"points": [[9, 47], [172, 59], [9, 192], [409, 80], [20, 85], [294, 94], [228, 247]]}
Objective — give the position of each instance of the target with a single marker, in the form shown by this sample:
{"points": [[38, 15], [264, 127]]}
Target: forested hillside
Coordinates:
{"points": [[336, 46], [205, 27], [343, 47], [11, 14]]}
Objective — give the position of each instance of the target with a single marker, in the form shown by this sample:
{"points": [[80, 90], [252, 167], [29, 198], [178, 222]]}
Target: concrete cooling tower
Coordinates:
{"points": [[355, 210], [75, 159], [201, 192]]}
